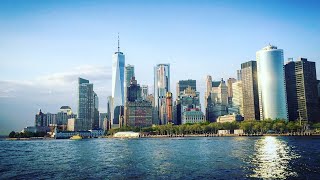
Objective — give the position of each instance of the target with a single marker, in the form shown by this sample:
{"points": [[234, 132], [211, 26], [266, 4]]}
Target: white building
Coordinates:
{"points": [[161, 87], [271, 83], [237, 99], [118, 63]]}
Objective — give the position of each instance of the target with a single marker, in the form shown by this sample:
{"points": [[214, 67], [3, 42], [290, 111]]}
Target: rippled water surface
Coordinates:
{"points": [[176, 158]]}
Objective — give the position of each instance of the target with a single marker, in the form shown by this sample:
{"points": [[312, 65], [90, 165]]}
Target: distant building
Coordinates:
{"points": [[118, 63], [302, 90], [239, 75], [193, 116], [184, 84], [272, 92], [95, 123], [133, 91], [237, 100], [51, 119], [230, 81], [86, 105], [169, 107], [161, 87], [229, 118], [128, 75], [144, 92], [138, 114], [102, 117], [40, 119], [250, 91]]}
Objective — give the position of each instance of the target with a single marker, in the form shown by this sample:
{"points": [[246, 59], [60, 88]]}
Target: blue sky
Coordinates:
{"points": [[46, 45]]}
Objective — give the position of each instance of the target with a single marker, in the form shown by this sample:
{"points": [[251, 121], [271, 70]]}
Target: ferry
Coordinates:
{"points": [[76, 137]]}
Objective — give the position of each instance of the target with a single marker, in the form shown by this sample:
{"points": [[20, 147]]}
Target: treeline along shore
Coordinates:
{"points": [[250, 128]]}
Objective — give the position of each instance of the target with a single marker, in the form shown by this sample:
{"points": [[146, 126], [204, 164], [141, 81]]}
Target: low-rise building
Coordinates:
{"points": [[223, 132], [193, 116], [229, 118]]}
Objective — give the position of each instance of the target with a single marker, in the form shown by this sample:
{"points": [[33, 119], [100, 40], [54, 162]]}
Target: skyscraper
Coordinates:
{"points": [[250, 91], [128, 74], [161, 87], [271, 83], [169, 107], [239, 75], [230, 91], [133, 91], [85, 104], [95, 123], [144, 92], [237, 99], [184, 84], [302, 93], [208, 90], [118, 62]]}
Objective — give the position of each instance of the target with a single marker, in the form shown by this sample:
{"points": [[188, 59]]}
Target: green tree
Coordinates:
{"points": [[12, 134]]}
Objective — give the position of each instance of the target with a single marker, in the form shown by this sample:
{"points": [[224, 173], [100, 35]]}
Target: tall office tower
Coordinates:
{"points": [[169, 107], [85, 104], [51, 119], [40, 119], [239, 75], [118, 62], [271, 83], [208, 90], [250, 91], [102, 117], [220, 93], [302, 92], [190, 107], [95, 123], [133, 91], [161, 87], [137, 112], [318, 83], [184, 84], [109, 108], [144, 92], [230, 92], [128, 74], [237, 100]]}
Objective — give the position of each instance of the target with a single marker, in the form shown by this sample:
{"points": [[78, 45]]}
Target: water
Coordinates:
{"points": [[175, 158]]}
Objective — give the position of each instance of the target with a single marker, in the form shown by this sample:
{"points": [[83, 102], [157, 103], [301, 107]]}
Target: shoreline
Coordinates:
{"points": [[172, 136]]}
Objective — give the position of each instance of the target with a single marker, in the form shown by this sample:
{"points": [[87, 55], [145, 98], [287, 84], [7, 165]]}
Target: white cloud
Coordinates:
{"points": [[48, 92]]}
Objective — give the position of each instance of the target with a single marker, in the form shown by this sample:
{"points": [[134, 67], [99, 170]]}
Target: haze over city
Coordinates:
{"points": [[46, 45]]}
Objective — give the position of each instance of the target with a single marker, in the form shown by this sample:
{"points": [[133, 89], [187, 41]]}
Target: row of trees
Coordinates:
{"points": [[26, 134], [250, 127]]}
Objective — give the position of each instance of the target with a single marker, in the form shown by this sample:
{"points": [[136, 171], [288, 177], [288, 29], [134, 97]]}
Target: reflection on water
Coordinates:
{"points": [[271, 158]]}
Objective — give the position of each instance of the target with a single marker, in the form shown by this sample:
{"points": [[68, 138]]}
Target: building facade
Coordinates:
{"points": [[302, 92], [250, 91], [144, 92], [237, 99], [161, 87], [272, 92], [128, 74], [184, 84], [118, 63], [85, 103]]}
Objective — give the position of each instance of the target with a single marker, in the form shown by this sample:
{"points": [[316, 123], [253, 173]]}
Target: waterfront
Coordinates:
{"points": [[165, 158]]}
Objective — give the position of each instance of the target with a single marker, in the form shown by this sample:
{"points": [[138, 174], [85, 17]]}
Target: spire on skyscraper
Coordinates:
{"points": [[118, 43]]}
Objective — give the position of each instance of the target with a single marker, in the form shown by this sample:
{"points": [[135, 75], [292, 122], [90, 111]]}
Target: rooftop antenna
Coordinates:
{"points": [[118, 43]]}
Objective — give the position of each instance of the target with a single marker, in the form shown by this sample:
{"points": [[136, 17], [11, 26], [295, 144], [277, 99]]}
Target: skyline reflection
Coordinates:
{"points": [[271, 158]]}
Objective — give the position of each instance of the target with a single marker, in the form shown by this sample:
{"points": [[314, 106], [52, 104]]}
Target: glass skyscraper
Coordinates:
{"points": [[128, 74], [271, 83], [118, 63], [161, 87], [86, 104]]}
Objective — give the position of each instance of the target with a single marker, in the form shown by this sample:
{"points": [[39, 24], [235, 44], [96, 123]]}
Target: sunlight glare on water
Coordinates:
{"points": [[271, 158]]}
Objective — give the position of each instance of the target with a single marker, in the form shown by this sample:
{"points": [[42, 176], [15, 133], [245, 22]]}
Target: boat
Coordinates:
{"points": [[76, 137]]}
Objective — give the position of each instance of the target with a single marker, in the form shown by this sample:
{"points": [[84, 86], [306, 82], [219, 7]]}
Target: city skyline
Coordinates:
{"points": [[36, 73]]}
